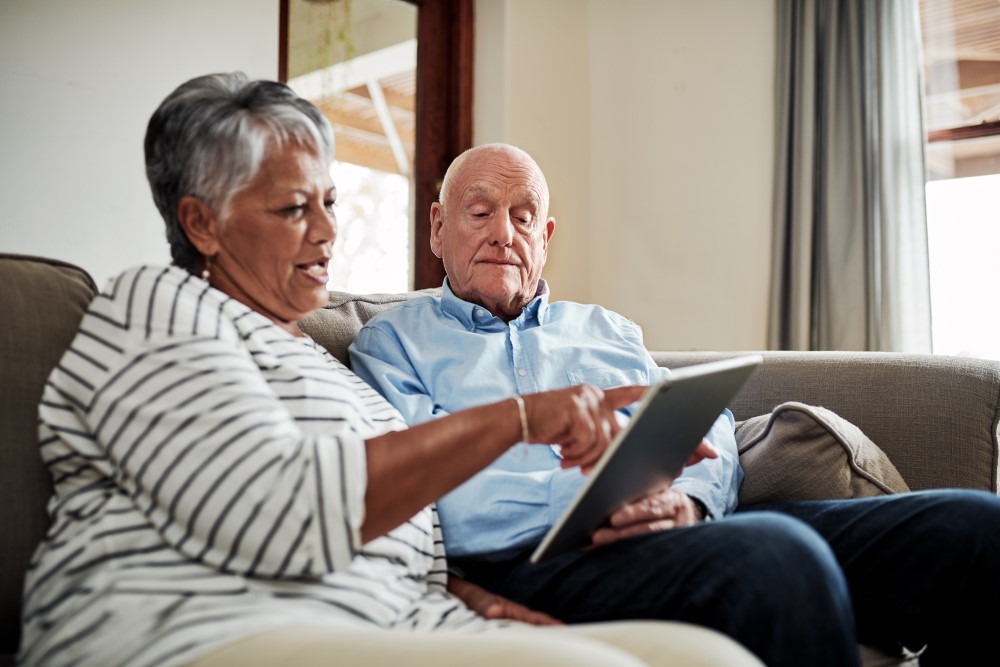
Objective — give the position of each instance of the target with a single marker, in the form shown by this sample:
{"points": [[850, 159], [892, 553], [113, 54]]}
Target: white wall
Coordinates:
{"points": [[79, 82], [653, 120]]}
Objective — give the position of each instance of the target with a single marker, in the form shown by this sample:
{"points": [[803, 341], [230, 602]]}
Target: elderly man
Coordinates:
{"points": [[792, 585]]}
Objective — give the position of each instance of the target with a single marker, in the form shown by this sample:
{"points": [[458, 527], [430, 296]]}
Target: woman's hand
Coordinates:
{"points": [[410, 468], [490, 605], [580, 419]]}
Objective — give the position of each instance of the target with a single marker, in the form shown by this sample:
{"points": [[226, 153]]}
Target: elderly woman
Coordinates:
{"points": [[225, 491]]}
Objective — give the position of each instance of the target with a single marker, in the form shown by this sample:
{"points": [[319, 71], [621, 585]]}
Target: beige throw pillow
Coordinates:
{"points": [[804, 452]]}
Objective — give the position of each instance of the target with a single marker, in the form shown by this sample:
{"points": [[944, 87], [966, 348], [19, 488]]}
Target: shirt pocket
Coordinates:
{"points": [[606, 377]]}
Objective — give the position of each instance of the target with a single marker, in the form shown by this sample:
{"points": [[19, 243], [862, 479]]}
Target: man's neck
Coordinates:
{"points": [[505, 310]]}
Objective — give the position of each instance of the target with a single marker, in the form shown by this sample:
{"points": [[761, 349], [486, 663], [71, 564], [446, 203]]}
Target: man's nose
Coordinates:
{"points": [[502, 230]]}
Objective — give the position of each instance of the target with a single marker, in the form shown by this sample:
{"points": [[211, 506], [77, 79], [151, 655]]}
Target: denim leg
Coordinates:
{"points": [[923, 568], [766, 580]]}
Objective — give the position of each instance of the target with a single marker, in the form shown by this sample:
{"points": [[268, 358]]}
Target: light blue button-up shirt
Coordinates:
{"points": [[434, 355]]}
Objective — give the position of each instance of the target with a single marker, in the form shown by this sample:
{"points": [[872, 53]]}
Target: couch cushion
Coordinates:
{"points": [[42, 302], [335, 325], [805, 452], [937, 417]]}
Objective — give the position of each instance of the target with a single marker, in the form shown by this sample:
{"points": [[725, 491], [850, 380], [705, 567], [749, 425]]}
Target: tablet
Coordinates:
{"points": [[649, 453]]}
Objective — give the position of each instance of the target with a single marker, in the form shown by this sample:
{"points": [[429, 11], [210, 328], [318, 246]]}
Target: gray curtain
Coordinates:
{"points": [[850, 265]]}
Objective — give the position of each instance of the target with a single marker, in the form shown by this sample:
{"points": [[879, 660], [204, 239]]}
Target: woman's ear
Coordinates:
{"points": [[200, 224]]}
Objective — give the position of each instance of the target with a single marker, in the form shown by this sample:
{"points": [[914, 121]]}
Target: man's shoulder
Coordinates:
{"points": [[397, 327], [409, 310], [588, 311]]}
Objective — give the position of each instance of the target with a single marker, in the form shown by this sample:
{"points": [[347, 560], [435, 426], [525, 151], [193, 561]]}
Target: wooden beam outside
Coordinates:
{"points": [[967, 132], [365, 154], [341, 111]]}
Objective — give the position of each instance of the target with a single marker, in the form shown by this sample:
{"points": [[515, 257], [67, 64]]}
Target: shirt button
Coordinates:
{"points": [[479, 312], [522, 372]]}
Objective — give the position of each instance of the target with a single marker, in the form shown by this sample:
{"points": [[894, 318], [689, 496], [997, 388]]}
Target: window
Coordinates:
{"points": [[429, 101], [961, 40], [356, 60]]}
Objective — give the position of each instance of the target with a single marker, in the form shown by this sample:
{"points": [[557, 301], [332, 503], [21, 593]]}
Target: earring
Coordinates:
{"points": [[205, 273]]}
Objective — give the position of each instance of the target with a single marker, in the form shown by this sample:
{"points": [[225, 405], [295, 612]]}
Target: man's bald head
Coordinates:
{"points": [[486, 152], [491, 227]]}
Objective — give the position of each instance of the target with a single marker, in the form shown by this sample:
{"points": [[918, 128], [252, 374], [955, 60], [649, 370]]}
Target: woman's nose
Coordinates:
{"points": [[323, 227]]}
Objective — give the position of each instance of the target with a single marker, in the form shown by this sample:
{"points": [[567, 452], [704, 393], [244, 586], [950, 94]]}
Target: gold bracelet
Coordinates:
{"points": [[524, 417]]}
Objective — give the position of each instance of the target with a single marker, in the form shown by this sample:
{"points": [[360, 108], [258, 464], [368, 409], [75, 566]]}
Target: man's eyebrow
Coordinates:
{"points": [[478, 191], [527, 196]]}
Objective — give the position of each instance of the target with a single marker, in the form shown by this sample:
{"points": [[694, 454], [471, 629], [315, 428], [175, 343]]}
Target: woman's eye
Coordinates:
{"points": [[293, 210], [330, 204]]}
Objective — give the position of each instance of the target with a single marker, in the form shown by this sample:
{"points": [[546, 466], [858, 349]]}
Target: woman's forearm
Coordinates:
{"points": [[412, 468], [409, 469]]}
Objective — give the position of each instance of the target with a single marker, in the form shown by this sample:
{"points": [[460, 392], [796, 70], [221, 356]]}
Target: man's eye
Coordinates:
{"points": [[330, 204]]}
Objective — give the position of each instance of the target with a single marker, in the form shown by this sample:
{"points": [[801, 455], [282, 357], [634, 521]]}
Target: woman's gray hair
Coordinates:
{"points": [[208, 138]]}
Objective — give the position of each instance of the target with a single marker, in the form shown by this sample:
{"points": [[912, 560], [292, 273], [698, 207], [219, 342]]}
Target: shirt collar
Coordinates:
{"points": [[474, 316]]}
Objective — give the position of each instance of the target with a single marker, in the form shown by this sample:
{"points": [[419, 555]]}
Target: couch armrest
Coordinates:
{"points": [[42, 301], [936, 417]]}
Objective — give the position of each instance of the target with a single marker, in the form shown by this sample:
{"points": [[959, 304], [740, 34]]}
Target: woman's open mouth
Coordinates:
{"points": [[315, 270]]}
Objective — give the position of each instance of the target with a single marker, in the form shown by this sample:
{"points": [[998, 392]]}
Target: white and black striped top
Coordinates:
{"points": [[209, 474]]}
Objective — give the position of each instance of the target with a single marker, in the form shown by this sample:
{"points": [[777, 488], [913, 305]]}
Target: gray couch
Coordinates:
{"points": [[936, 417]]}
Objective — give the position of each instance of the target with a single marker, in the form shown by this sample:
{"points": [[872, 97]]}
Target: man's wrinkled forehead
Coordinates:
{"points": [[502, 193], [500, 175]]}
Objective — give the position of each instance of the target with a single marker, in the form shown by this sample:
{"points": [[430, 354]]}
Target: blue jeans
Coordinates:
{"points": [[797, 583]]}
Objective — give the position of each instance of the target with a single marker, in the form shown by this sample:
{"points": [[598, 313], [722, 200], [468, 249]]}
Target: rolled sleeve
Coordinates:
{"points": [[231, 480], [716, 482]]}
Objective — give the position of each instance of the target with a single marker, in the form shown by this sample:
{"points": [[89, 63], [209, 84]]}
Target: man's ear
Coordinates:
{"points": [[437, 220], [200, 224], [550, 228]]}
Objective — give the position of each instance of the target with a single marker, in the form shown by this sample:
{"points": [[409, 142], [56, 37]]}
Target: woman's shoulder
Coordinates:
{"points": [[166, 301]]}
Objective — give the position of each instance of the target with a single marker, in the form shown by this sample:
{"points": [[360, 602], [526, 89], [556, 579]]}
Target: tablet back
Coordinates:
{"points": [[647, 455]]}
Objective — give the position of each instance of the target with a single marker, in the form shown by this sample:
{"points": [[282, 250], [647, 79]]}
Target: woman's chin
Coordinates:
{"points": [[310, 289], [314, 300], [298, 304]]}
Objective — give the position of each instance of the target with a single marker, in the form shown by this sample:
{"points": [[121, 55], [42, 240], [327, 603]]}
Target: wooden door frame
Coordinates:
{"points": [[445, 30]]}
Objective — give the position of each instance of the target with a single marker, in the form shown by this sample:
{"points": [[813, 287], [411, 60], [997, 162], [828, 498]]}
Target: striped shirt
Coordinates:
{"points": [[209, 480]]}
